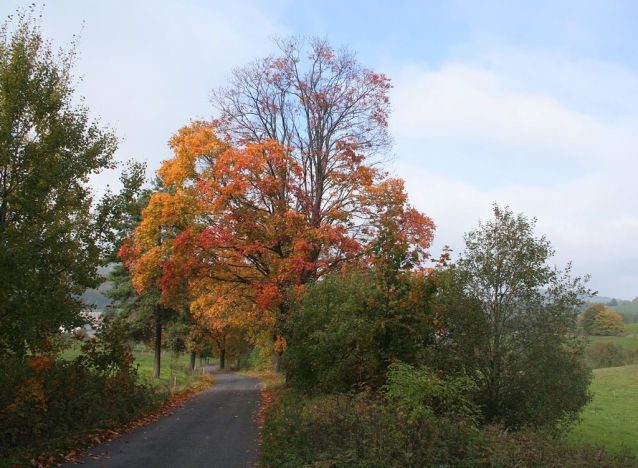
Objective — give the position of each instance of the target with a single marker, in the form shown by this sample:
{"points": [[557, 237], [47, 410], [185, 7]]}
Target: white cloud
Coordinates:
{"points": [[470, 104], [148, 67], [572, 168]]}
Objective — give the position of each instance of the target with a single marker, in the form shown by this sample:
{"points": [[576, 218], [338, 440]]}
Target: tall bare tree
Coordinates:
{"points": [[324, 107]]}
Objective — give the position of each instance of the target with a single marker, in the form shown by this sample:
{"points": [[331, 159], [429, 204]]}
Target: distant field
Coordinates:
{"points": [[626, 309], [629, 341], [612, 416], [173, 368]]}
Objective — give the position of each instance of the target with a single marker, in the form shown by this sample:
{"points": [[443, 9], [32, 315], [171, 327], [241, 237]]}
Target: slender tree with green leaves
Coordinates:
{"points": [[511, 324], [53, 232]]}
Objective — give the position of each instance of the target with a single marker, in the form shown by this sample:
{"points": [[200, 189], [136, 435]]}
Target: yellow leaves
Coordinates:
{"points": [[280, 344], [193, 144]]}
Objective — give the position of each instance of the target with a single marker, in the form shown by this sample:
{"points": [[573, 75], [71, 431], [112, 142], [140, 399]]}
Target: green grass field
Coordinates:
{"points": [[628, 340], [626, 308], [174, 373], [612, 416]]}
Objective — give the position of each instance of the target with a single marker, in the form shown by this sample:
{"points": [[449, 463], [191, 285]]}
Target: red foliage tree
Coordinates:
{"points": [[283, 187]]}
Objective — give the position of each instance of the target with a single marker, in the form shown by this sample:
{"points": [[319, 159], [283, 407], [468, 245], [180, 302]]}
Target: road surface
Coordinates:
{"points": [[217, 428]]}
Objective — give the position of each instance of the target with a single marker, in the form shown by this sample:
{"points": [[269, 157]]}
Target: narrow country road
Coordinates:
{"points": [[217, 428]]}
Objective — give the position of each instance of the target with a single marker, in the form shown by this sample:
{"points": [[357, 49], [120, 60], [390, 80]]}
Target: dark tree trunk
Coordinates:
{"points": [[158, 346], [276, 364], [222, 359], [191, 364]]}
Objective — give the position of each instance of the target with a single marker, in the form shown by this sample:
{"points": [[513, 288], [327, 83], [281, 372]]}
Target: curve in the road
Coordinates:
{"points": [[217, 428]]}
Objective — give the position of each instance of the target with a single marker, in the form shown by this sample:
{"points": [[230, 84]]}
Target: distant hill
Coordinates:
{"points": [[602, 299], [95, 296]]}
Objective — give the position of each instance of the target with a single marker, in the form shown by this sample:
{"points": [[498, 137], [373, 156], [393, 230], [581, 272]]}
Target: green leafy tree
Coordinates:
{"points": [[53, 234], [349, 327], [510, 324], [607, 323]]}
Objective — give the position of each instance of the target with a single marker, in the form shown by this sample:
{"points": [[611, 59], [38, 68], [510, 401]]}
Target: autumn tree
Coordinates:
{"points": [[588, 316], [325, 109], [148, 312], [283, 187], [607, 323], [510, 324], [53, 233], [224, 315]]}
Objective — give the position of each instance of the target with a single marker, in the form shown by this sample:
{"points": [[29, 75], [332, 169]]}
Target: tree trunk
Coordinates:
{"points": [[158, 346], [222, 358], [276, 364], [191, 364]]}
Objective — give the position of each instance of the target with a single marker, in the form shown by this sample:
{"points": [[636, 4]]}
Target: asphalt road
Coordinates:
{"points": [[217, 428]]}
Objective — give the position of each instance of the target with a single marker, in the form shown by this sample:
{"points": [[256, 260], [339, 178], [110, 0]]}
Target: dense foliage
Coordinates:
{"points": [[350, 326], [372, 430], [52, 234], [608, 354], [511, 323], [607, 323], [599, 320], [54, 399], [499, 316]]}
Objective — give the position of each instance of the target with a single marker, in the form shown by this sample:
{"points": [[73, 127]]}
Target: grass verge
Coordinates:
{"points": [[365, 430]]}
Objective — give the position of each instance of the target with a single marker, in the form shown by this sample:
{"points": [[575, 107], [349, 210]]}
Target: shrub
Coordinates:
{"points": [[608, 354], [367, 430], [351, 325], [47, 398], [422, 393]]}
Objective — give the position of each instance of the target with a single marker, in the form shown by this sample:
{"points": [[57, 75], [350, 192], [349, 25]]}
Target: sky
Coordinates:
{"points": [[531, 105]]}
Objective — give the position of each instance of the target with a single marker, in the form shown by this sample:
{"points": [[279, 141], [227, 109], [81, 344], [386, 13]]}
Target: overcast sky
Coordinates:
{"points": [[528, 104]]}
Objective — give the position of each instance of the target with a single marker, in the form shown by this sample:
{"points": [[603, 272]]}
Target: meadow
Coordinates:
{"points": [[631, 309], [628, 339], [611, 418]]}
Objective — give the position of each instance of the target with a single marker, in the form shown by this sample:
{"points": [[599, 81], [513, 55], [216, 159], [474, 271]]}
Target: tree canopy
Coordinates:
{"points": [[608, 323], [273, 196], [53, 234], [510, 321]]}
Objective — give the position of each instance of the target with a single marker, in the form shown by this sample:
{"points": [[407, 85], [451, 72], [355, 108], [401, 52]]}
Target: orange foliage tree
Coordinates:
{"points": [[282, 189]]}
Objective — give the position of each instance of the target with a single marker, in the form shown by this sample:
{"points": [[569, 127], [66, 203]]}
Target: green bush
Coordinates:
{"points": [[509, 322], [608, 354], [351, 325], [422, 393], [366, 430], [47, 398]]}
